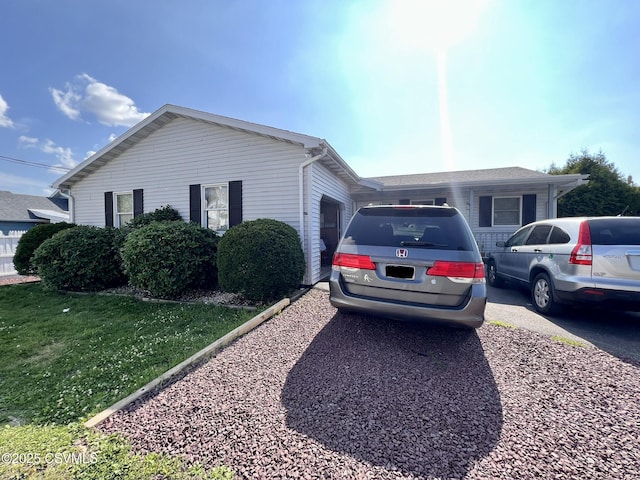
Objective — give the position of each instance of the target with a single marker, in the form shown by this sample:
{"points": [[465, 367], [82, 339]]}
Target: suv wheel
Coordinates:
{"points": [[492, 275], [542, 295]]}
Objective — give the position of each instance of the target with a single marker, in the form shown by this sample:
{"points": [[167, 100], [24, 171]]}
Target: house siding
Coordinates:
{"points": [[321, 182], [186, 152]]}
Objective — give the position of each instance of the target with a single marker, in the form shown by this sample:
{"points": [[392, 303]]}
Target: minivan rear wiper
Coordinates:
{"points": [[408, 243]]}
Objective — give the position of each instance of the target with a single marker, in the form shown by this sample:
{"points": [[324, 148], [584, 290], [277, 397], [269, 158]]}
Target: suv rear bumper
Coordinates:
{"points": [[620, 300], [470, 315]]}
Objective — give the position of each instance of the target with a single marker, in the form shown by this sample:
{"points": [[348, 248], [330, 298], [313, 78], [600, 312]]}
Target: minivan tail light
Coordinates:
{"points": [[351, 260], [582, 253], [463, 272]]}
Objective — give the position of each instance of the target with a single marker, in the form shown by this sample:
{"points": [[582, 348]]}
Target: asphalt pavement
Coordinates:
{"points": [[617, 333]]}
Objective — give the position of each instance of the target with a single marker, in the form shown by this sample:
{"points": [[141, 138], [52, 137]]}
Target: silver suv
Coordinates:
{"points": [[410, 262], [573, 260]]}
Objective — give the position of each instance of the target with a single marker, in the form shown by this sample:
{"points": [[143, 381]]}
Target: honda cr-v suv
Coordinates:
{"points": [[410, 262], [573, 260]]}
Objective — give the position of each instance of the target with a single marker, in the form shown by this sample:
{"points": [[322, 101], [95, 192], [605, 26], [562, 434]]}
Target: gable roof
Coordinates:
{"points": [[167, 113], [489, 176], [31, 208]]}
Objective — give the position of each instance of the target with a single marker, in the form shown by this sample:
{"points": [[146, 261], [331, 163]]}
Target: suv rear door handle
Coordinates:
{"points": [[537, 250]]}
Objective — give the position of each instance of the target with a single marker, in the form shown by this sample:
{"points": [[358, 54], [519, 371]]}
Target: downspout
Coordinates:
{"points": [[301, 168]]}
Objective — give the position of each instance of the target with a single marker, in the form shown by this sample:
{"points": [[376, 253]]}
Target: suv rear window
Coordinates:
{"points": [[419, 227], [615, 231]]}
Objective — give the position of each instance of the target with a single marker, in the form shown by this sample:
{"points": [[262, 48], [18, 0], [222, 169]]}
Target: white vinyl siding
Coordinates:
{"points": [[186, 152], [321, 182]]}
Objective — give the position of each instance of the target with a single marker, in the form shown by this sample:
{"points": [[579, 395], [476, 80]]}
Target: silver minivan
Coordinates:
{"points": [[410, 262], [572, 261]]}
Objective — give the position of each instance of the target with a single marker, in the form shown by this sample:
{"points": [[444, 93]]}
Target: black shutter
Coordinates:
{"points": [[404, 201], [485, 211], [441, 200], [235, 203], [528, 209], [108, 209], [195, 204], [138, 202]]}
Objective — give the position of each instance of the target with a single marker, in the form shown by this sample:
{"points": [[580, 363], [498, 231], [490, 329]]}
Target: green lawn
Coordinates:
{"points": [[64, 358]]}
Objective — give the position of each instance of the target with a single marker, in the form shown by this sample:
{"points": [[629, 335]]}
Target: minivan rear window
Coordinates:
{"points": [[615, 231], [416, 227]]}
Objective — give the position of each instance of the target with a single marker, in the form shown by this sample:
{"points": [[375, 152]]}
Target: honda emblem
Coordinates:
{"points": [[402, 253]]}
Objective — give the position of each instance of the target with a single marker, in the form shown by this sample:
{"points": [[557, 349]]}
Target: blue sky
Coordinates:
{"points": [[395, 86]]}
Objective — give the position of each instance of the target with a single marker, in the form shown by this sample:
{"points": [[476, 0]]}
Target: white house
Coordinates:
{"points": [[219, 171]]}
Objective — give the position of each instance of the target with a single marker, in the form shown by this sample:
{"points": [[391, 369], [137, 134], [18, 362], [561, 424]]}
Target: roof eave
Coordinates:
{"points": [[574, 180]]}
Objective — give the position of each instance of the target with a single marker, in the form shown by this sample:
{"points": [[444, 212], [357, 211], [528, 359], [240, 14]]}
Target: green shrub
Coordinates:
{"points": [[262, 259], [163, 214], [169, 258], [83, 258], [30, 241]]}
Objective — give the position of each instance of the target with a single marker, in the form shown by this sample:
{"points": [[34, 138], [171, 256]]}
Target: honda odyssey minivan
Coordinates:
{"points": [[410, 262]]}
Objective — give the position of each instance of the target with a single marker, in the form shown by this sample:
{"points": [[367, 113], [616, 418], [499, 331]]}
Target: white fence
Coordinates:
{"points": [[8, 244]]}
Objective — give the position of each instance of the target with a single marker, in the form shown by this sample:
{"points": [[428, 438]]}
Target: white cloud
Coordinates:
{"points": [[63, 154], [4, 120], [88, 95], [27, 141]]}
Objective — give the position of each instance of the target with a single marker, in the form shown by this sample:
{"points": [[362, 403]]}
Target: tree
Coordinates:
{"points": [[607, 193]]}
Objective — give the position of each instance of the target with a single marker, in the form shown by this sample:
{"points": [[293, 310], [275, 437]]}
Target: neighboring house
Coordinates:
{"points": [[218, 171], [19, 213]]}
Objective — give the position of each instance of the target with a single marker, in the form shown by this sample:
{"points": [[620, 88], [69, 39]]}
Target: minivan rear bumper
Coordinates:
{"points": [[470, 315]]}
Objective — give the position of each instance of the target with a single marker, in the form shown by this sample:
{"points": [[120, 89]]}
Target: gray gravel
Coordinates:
{"points": [[315, 394]]}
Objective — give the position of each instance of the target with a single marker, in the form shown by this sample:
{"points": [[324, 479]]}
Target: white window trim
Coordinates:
{"points": [[204, 219], [493, 210], [116, 213]]}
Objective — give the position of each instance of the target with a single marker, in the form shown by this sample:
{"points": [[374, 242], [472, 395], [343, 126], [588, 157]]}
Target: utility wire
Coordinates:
{"points": [[32, 164]]}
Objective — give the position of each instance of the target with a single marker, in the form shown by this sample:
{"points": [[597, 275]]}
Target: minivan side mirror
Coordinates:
{"points": [[500, 244]]}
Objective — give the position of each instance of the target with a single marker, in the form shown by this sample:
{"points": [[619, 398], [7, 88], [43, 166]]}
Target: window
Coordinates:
{"points": [[518, 238], [506, 211], [216, 207], [539, 235], [123, 208], [558, 236], [423, 202]]}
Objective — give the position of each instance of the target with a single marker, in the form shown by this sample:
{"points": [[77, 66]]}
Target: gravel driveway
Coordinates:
{"points": [[315, 394]]}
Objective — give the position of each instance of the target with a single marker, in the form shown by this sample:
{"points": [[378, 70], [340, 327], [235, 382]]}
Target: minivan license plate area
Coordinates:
{"points": [[400, 271]]}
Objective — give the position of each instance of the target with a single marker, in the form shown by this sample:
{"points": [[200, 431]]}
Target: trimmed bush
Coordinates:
{"points": [[169, 258], [30, 241], [83, 258], [163, 214], [262, 259]]}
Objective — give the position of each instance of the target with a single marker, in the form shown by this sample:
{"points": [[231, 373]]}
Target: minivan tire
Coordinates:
{"points": [[543, 296], [492, 275]]}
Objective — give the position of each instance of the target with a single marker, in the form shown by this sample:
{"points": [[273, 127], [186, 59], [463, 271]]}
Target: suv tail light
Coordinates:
{"points": [[351, 260], [582, 253], [461, 272]]}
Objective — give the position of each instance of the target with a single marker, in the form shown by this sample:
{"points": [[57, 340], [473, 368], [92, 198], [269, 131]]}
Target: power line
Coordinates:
{"points": [[32, 164]]}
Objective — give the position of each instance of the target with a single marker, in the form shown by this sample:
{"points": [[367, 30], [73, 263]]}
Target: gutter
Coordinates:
{"points": [[301, 168]]}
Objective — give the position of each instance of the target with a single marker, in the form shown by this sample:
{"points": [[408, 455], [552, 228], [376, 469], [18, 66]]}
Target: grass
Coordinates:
{"points": [[502, 324], [568, 341], [74, 452], [64, 358]]}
